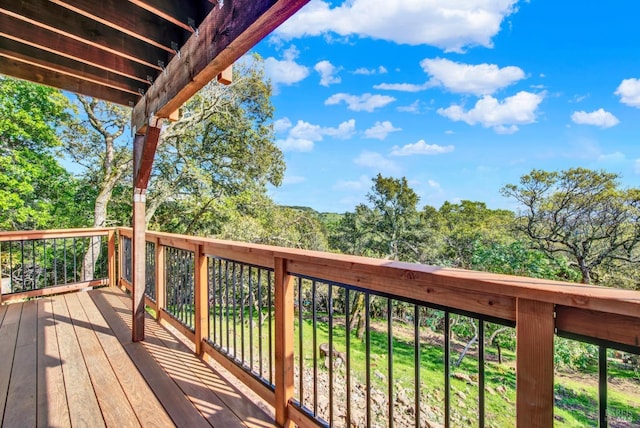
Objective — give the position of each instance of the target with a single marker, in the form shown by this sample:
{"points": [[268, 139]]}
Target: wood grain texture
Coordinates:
{"points": [[8, 336], [601, 325], [116, 310], [115, 407], [146, 406], [83, 404], [224, 36], [138, 259], [21, 398], [52, 409], [284, 338], [534, 364], [201, 298]]}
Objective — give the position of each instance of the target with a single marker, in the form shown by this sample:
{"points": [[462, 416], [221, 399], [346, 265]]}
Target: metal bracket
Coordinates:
{"points": [[176, 48]]}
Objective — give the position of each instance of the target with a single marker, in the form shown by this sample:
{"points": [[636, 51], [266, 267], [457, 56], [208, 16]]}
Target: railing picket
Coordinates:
{"points": [[481, 374], [390, 361], [602, 386], [416, 364], [447, 370], [347, 336], [367, 332]]}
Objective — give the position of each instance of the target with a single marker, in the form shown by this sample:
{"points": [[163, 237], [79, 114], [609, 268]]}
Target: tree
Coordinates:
{"points": [[468, 223], [394, 220], [35, 191], [222, 145], [582, 214]]}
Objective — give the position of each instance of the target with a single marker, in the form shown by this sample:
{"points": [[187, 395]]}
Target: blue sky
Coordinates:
{"points": [[459, 96]]}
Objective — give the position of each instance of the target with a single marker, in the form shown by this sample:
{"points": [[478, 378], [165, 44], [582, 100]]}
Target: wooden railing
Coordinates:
{"points": [[39, 263], [227, 296], [264, 312]]}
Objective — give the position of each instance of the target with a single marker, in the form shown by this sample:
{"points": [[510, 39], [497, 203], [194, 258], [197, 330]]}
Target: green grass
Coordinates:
{"points": [[576, 395]]}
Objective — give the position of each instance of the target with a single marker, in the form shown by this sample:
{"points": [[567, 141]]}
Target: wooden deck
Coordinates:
{"points": [[69, 360]]}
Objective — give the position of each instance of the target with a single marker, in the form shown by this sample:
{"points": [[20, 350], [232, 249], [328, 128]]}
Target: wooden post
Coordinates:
{"points": [[139, 263], [201, 297], [160, 280], [284, 317], [111, 257], [534, 363], [144, 149]]}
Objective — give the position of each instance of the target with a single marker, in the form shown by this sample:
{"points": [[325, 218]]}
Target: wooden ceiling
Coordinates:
{"points": [[151, 55]]}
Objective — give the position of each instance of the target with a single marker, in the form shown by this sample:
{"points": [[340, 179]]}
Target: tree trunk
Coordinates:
{"points": [[99, 220]]}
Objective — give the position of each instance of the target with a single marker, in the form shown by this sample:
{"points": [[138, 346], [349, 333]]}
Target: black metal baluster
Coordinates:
{"points": [[271, 290], [235, 321], [242, 313], [347, 336], [602, 385], [447, 381], [416, 363], [226, 280], [250, 319], [75, 260], [260, 322], [24, 285], [330, 309], [315, 347], [481, 380], [300, 346], [55, 262], [44, 262], [367, 328], [33, 264], [64, 245], [390, 359]]}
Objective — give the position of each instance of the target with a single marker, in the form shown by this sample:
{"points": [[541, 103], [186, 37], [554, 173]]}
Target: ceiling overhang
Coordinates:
{"points": [[152, 55]]}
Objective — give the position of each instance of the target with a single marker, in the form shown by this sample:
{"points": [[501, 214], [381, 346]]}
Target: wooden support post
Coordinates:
{"points": [[534, 363], [284, 317], [201, 297], [111, 257], [139, 263], [160, 279]]}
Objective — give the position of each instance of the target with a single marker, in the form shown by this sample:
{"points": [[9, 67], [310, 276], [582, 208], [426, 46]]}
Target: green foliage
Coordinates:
{"points": [[581, 214], [35, 191]]}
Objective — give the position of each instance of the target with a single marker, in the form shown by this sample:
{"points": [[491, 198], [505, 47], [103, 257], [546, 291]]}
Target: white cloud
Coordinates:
{"points": [[434, 184], [362, 183], [282, 125], [303, 135], [614, 157], [327, 73], [450, 25], [365, 102], [599, 117], [481, 79], [306, 130], [420, 148], [371, 71], [344, 131], [414, 107], [295, 145], [293, 179], [380, 130], [503, 117], [629, 92], [377, 162], [402, 87], [285, 71]]}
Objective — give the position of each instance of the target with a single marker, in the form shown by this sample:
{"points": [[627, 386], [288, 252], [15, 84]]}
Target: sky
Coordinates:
{"points": [[461, 97]]}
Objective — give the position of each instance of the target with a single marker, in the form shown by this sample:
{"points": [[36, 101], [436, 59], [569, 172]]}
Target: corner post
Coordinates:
{"points": [[535, 327], [160, 279], [284, 317], [139, 262], [201, 297], [111, 257]]}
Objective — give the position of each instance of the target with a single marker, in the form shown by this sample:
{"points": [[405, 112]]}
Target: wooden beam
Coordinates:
{"points": [[130, 19], [22, 70], [41, 38], [534, 363], [178, 13], [226, 77], [284, 337], [111, 257], [57, 19], [145, 162], [69, 67], [224, 36]]}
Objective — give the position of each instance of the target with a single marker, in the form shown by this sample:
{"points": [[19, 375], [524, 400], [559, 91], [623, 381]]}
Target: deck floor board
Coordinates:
{"points": [[68, 360]]}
